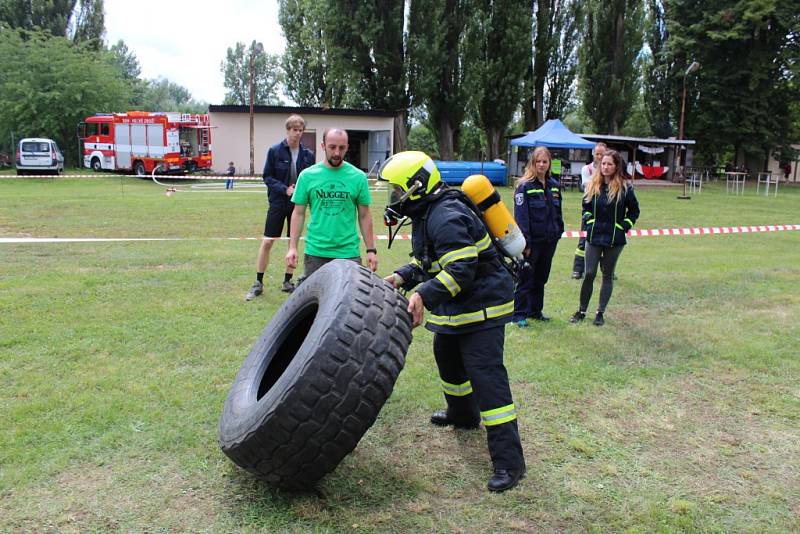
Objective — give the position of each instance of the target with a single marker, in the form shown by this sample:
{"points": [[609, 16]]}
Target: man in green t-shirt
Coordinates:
{"points": [[338, 196]]}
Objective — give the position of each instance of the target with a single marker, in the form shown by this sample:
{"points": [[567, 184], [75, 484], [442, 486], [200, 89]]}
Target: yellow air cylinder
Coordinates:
{"points": [[497, 217]]}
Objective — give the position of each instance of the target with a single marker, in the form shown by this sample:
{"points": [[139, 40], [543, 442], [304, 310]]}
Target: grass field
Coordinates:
{"points": [[681, 414]]}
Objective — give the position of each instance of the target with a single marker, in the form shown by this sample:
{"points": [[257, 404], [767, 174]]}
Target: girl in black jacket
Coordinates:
{"points": [[610, 209], [537, 209]]}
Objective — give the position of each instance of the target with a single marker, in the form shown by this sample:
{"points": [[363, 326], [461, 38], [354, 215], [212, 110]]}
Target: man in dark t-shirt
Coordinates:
{"points": [[285, 161]]}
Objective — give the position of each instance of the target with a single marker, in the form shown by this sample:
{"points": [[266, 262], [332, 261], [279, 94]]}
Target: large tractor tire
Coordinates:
{"points": [[317, 377]]}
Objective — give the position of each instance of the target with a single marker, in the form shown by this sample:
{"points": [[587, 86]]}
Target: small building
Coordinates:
{"points": [[370, 133], [779, 168], [648, 154]]}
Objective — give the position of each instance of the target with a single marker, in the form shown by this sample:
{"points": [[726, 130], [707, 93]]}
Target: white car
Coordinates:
{"points": [[39, 155]]}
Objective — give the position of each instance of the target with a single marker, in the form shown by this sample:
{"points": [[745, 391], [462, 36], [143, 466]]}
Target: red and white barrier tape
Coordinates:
{"points": [[708, 230], [148, 176], [711, 230]]}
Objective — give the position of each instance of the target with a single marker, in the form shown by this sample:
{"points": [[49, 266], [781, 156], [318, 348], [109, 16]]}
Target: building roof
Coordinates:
{"points": [[286, 110], [637, 140]]}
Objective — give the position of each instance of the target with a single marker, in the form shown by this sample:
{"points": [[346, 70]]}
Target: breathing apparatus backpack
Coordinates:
{"points": [[478, 194]]}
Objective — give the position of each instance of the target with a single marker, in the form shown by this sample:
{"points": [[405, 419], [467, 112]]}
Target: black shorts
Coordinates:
{"points": [[276, 215]]}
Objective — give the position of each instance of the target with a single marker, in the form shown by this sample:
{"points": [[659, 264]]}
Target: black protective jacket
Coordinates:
{"points": [[608, 221], [277, 167], [456, 268], [537, 211]]}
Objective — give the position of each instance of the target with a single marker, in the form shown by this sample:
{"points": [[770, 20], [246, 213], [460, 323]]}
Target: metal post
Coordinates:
{"points": [[255, 48], [252, 165], [693, 67]]}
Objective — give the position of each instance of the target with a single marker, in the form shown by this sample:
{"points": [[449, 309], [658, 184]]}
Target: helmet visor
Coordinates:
{"points": [[396, 195]]}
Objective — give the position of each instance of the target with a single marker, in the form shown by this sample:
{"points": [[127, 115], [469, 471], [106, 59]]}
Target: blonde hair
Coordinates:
{"points": [[295, 121], [617, 185], [530, 169]]}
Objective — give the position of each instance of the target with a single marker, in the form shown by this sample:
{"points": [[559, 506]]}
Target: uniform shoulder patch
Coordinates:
{"points": [[519, 199]]}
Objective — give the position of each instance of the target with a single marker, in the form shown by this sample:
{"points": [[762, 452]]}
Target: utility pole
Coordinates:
{"points": [[257, 48]]}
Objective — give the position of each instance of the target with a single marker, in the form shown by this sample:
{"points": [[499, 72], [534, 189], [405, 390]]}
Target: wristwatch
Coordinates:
{"points": [[373, 250]]}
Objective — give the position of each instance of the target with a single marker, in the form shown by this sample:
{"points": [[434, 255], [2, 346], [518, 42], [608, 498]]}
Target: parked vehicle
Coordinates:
{"points": [[39, 155], [139, 141]]}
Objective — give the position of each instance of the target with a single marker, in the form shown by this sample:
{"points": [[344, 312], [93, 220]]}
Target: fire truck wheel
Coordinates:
{"points": [[96, 165], [138, 169], [317, 377]]}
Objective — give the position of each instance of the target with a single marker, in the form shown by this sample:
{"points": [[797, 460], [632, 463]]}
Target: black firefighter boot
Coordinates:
{"points": [[442, 418], [504, 479]]}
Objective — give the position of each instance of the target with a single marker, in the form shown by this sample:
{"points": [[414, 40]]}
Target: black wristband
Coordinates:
{"points": [[373, 250]]}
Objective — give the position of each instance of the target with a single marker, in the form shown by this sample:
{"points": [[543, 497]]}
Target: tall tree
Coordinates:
{"points": [[567, 19], [438, 47], [551, 64], [125, 60], [369, 39], [163, 95], [498, 30], [88, 23], [749, 52], [659, 83], [82, 21], [267, 75], [609, 80], [542, 47], [47, 15], [49, 84], [528, 101], [316, 73]]}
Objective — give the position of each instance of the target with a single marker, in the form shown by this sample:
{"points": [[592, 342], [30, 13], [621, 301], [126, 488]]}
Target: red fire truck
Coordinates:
{"points": [[139, 141]]}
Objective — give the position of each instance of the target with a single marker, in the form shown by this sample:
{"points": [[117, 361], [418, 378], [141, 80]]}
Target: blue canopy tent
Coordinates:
{"points": [[551, 134]]}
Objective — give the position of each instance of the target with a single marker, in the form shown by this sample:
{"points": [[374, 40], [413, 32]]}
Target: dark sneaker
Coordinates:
{"points": [[576, 275], [442, 418], [540, 317], [287, 287], [598, 319], [255, 291], [577, 317], [505, 479]]}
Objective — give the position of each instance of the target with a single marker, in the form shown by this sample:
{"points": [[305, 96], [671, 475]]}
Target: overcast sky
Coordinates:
{"points": [[185, 41]]}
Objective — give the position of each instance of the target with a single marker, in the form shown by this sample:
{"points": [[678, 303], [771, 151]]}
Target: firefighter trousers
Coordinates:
{"points": [[475, 384], [529, 294]]}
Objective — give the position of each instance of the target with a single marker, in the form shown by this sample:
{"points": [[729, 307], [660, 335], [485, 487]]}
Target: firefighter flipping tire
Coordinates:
{"points": [[317, 377]]}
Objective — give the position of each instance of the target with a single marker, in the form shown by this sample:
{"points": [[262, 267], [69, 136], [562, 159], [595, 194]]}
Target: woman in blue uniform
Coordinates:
{"points": [[610, 209], [537, 209]]}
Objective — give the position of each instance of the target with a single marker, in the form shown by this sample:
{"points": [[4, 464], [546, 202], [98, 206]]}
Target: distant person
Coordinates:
{"points": [[537, 210], [586, 176], [337, 194], [610, 210], [285, 161], [230, 172]]}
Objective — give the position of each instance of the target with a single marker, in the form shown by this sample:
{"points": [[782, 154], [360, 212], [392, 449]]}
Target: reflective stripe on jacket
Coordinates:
{"points": [[607, 222], [464, 286], [537, 210]]}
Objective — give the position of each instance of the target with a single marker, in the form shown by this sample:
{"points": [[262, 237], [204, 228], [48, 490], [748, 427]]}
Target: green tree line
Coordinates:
{"points": [[56, 70], [453, 67], [461, 74]]}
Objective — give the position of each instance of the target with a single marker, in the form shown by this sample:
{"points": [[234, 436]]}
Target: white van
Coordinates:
{"points": [[39, 155]]}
